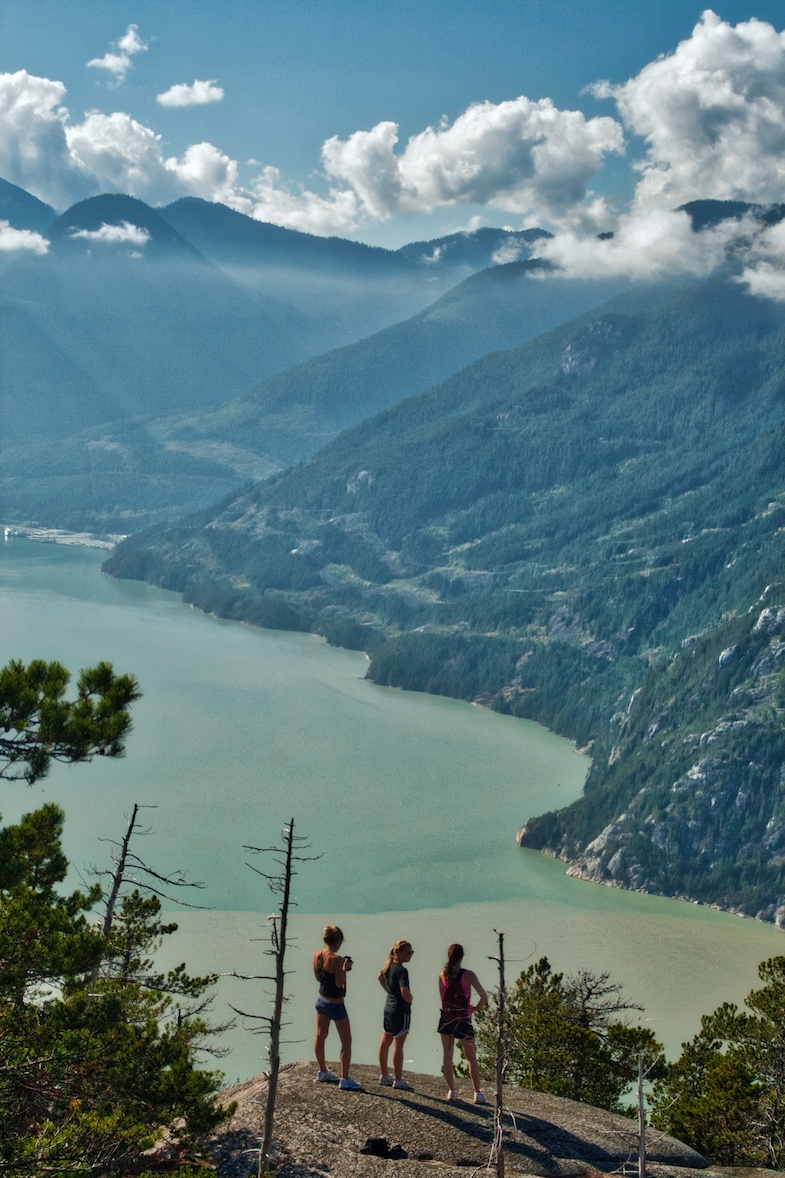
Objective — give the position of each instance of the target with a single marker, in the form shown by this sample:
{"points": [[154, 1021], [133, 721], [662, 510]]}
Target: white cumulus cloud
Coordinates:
{"points": [[16, 240], [712, 114], [710, 117], [33, 149], [764, 273], [119, 61], [648, 244], [523, 156], [269, 199], [124, 233], [197, 94]]}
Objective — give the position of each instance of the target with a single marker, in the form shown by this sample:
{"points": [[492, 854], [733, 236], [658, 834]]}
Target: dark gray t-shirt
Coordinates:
{"points": [[397, 975]]}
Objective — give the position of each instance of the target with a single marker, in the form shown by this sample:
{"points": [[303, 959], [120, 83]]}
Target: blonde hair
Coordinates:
{"points": [[453, 962], [395, 955], [332, 935]]}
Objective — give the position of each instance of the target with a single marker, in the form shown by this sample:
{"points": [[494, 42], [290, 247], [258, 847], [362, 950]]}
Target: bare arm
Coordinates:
{"points": [[471, 978]]}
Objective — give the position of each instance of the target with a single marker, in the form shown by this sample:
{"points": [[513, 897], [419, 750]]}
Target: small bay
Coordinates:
{"points": [[411, 801]]}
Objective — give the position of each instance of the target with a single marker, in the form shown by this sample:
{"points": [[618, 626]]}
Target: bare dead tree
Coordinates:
{"points": [[279, 883], [129, 869], [641, 1122], [501, 1063], [597, 999]]}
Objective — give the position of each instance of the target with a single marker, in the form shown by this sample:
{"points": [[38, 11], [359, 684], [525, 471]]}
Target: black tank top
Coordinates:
{"points": [[328, 987]]}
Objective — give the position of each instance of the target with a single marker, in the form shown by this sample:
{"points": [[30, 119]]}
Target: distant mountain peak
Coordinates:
{"points": [[22, 210], [116, 220]]}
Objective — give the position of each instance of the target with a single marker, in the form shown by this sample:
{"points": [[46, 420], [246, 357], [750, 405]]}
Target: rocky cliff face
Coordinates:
{"points": [[691, 799]]}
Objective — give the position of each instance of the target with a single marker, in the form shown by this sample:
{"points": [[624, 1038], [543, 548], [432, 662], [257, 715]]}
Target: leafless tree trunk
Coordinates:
{"points": [[279, 926], [501, 1063], [130, 869], [641, 1123], [282, 884]]}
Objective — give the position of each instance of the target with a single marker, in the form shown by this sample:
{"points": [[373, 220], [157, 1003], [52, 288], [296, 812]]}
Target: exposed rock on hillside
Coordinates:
{"points": [[320, 1130], [691, 799]]}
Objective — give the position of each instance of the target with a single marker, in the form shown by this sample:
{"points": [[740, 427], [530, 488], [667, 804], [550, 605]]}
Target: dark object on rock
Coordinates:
{"points": [[379, 1147]]}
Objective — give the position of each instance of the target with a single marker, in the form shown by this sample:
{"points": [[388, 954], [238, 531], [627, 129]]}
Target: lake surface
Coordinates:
{"points": [[412, 802]]}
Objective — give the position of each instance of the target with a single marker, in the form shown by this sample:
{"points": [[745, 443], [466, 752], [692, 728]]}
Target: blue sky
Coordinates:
{"points": [[338, 96]]}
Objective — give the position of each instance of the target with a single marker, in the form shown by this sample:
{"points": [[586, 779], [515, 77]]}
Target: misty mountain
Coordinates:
{"points": [[136, 313], [539, 533], [22, 210], [473, 249], [124, 475], [287, 417], [123, 317], [347, 290]]}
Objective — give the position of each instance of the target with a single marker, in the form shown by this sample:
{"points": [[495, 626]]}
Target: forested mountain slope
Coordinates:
{"points": [[345, 289], [123, 317], [124, 475], [539, 530], [287, 417], [22, 210]]}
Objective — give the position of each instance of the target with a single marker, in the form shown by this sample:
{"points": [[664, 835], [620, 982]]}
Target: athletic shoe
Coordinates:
{"points": [[386, 1080], [402, 1085], [347, 1084], [452, 1096], [479, 1098], [327, 1077]]}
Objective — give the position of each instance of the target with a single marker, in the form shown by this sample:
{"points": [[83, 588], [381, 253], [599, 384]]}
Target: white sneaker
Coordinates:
{"points": [[327, 1077], [402, 1085], [386, 1080], [479, 1098], [452, 1096], [347, 1084]]}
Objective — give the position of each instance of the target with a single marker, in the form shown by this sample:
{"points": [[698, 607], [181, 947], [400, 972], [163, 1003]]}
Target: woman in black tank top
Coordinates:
{"points": [[330, 971]]}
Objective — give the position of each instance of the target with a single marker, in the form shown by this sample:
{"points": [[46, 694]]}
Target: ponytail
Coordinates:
{"points": [[394, 955], [453, 962]]}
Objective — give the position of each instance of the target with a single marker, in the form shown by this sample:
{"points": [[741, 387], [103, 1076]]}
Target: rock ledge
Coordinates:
{"points": [[320, 1131]]}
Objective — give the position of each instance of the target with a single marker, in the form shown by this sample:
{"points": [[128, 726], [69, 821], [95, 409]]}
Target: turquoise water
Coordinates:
{"points": [[411, 801]]}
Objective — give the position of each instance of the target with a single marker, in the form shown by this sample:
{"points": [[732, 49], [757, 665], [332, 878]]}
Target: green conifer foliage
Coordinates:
{"points": [[565, 1036], [725, 1095]]}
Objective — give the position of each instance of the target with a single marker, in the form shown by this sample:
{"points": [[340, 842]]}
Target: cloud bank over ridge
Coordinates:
{"points": [[707, 120]]}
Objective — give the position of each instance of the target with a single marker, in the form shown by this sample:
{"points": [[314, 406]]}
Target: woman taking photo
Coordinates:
{"points": [[394, 980], [455, 1021], [330, 971]]}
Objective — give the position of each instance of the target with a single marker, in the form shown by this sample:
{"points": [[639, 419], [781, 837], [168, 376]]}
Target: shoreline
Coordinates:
{"points": [[104, 540]]}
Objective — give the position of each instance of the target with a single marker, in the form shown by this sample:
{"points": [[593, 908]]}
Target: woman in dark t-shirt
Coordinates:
{"points": [[394, 980]]}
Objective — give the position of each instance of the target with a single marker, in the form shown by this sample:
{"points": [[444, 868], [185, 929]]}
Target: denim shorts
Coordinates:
{"points": [[332, 1010]]}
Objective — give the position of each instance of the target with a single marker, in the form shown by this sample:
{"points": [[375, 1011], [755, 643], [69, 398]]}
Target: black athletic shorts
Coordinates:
{"points": [[396, 1022], [459, 1028]]}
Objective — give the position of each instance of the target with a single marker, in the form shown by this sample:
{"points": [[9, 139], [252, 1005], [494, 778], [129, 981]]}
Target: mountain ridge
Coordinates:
{"points": [[539, 532]]}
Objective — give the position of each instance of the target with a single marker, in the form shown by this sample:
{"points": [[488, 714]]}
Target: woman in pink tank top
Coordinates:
{"points": [[455, 1020]]}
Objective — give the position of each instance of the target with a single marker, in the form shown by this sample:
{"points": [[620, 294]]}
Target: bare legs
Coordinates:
{"points": [[388, 1041], [345, 1034], [448, 1044], [470, 1052], [322, 1027]]}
